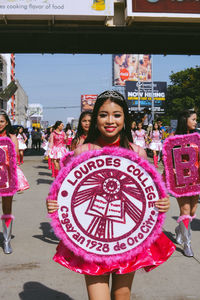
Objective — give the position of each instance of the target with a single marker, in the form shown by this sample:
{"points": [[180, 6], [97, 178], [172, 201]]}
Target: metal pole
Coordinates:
{"points": [[138, 82], [152, 90]]}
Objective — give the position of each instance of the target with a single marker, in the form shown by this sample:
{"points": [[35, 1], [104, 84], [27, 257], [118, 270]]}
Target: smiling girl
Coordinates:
{"points": [[110, 126]]}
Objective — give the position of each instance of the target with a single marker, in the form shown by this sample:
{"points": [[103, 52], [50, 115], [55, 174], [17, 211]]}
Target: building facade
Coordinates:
{"points": [[21, 106], [3, 79]]}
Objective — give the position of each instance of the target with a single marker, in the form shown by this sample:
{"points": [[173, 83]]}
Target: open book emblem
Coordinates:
{"points": [[112, 210]]}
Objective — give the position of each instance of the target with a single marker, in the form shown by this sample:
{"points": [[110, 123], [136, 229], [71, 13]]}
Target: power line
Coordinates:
{"points": [[58, 107]]}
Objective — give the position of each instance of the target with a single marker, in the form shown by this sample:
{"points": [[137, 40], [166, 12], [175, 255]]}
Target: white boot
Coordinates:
{"points": [[185, 229], [7, 221], [179, 239]]}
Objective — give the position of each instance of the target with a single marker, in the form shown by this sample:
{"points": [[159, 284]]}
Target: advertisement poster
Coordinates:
{"points": [[132, 67], [143, 91], [87, 102], [57, 7], [173, 8]]}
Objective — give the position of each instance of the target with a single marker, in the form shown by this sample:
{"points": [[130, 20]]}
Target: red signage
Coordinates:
{"points": [[87, 102], [166, 6]]}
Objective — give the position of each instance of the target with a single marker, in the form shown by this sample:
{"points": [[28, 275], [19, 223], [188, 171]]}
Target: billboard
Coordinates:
{"points": [[57, 7], [142, 91], [87, 102], [166, 8], [35, 111], [132, 67]]}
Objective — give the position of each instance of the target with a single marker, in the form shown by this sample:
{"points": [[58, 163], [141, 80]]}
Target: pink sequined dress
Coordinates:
{"points": [[149, 259], [140, 138], [156, 140], [57, 146]]}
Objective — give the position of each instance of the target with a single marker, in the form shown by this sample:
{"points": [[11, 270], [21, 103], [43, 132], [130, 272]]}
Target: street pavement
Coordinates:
{"points": [[29, 273]]}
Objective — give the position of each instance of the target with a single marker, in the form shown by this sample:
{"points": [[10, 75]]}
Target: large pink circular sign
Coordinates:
{"points": [[106, 204]]}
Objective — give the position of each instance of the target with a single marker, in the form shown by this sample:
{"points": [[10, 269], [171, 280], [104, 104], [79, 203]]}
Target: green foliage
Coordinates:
{"points": [[183, 92]]}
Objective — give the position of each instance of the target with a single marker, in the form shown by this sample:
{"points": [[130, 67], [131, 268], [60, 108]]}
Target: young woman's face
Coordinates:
{"points": [[61, 126], [85, 123], [133, 125], [156, 126], [139, 125], [20, 130], [110, 120], [192, 122], [3, 122]]}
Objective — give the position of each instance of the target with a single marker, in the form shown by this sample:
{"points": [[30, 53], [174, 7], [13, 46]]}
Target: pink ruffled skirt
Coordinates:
{"points": [[149, 259], [58, 152], [22, 181]]}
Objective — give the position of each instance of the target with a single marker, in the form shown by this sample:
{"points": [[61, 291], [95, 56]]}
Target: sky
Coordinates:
{"points": [[55, 80]]}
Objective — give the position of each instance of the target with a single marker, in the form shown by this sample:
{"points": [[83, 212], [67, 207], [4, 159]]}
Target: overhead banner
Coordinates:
{"points": [[168, 8], [87, 102], [57, 7], [142, 91], [131, 67]]}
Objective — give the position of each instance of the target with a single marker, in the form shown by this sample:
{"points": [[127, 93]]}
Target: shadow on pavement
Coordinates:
{"points": [[47, 235], [44, 181], [35, 290], [171, 236], [33, 152], [41, 167], [195, 225], [44, 174]]}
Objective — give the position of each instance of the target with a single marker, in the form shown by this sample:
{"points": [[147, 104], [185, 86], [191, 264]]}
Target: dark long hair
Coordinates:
{"points": [[182, 127], [9, 129], [80, 130], [116, 97], [55, 126], [17, 131]]}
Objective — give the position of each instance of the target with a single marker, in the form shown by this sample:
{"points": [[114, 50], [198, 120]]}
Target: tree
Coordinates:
{"points": [[184, 92]]}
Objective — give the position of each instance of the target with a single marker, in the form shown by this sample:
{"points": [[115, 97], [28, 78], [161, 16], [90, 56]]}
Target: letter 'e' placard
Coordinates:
{"points": [[8, 168], [106, 204], [181, 160]]}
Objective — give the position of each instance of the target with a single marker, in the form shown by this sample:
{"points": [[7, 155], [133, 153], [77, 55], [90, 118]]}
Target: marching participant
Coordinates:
{"points": [[140, 136], [7, 217], [155, 144], [21, 142], [82, 130], [110, 126], [187, 123], [57, 145]]}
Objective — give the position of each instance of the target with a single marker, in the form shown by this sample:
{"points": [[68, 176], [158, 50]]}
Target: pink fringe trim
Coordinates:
{"points": [[3, 217], [55, 223], [183, 217], [193, 217]]}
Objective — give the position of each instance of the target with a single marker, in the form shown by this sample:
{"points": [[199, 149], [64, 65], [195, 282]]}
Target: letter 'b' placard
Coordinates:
{"points": [[181, 160], [8, 173]]}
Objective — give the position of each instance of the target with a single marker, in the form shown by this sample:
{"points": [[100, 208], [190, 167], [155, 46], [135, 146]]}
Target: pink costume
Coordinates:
{"points": [[149, 259], [57, 145], [156, 144], [140, 138], [69, 136], [21, 142]]}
